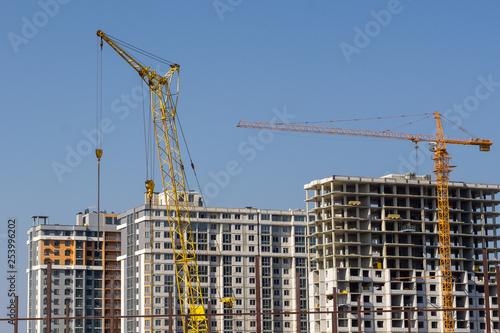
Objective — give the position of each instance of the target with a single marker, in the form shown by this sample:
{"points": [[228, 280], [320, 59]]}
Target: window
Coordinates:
{"points": [[266, 239], [300, 249], [299, 230]]}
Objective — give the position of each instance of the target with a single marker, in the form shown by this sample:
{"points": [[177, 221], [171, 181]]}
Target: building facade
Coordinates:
{"points": [[81, 272], [227, 241], [377, 240]]}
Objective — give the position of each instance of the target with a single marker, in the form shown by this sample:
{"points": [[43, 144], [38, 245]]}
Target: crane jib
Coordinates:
{"points": [[483, 143]]}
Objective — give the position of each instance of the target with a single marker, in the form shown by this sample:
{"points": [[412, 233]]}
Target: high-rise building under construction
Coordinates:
{"points": [[377, 240]]}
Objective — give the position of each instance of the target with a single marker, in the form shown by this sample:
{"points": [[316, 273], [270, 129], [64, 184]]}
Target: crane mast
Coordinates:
{"points": [[164, 93], [442, 170]]}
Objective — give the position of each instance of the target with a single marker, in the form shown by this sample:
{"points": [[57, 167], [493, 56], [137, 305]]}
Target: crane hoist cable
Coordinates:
{"points": [[228, 301], [140, 51], [407, 124], [98, 152], [148, 137], [460, 127], [360, 119], [98, 143], [149, 155]]}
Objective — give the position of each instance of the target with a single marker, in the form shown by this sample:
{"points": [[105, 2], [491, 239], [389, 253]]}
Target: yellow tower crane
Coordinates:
{"points": [[442, 171], [164, 92]]}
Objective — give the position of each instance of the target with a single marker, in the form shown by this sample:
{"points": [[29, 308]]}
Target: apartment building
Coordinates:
{"points": [[376, 239], [227, 241], [81, 272]]}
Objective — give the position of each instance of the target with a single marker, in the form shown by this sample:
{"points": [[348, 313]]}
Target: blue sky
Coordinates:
{"points": [[240, 60]]}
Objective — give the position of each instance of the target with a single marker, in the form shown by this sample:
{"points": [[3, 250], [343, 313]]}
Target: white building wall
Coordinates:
{"points": [[233, 238]]}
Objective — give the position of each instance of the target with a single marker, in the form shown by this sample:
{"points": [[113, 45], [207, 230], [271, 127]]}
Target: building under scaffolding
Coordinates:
{"points": [[377, 240]]}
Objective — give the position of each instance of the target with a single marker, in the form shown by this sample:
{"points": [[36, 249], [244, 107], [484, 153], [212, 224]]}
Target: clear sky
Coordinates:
{"points": [[285, 61]]}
